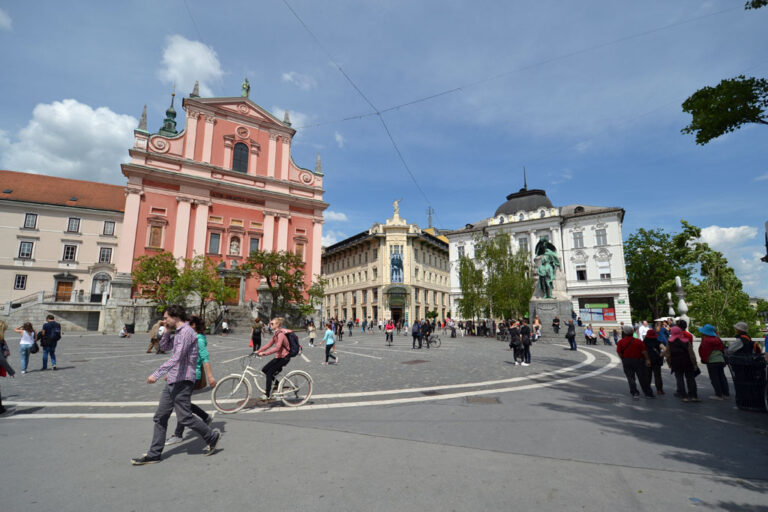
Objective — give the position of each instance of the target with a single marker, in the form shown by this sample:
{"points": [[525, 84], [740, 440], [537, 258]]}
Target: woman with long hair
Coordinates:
{"points": [[25, 344]]}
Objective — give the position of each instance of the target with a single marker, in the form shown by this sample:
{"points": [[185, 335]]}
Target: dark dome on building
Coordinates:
{"points": [[525, 200]]}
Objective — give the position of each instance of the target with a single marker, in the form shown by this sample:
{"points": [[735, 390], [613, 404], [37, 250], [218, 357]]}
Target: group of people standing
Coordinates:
{"points": [[520, 341], [644, 351]]}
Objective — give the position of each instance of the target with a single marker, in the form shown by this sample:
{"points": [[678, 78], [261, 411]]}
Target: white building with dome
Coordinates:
{"points": [[588, 240]]}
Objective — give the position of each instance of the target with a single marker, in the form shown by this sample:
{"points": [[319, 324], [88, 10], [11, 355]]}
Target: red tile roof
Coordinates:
{"points": [[39, 188]]}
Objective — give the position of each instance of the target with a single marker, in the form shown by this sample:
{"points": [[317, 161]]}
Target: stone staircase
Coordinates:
{"points": [[239, 319]]}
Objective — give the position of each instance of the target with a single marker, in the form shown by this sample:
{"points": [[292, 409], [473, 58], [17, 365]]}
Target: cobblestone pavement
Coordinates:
{"points": [[388, 428], [106, 371]]}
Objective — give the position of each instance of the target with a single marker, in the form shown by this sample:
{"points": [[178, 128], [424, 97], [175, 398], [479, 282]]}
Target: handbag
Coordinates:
{"points": [[35, 348], [202, 382]]}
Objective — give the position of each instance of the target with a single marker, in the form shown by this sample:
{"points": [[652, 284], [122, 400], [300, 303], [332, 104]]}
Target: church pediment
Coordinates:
{"points": [[240, 107]]}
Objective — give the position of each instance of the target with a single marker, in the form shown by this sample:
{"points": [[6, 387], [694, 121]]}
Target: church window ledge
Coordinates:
{"points": [[153, 249]]}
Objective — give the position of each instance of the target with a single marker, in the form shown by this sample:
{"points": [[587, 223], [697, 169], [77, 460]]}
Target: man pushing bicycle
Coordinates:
{"points": [[279, 346]]}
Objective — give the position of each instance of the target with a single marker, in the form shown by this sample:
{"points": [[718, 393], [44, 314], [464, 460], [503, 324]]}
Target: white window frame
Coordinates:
{"points": [[210, 238], [104, 228], [602, 267], [30, 216], [578, 240], [20, 282], [31, 250], [74, 253], [601, 235], [101, 252], [76, 220]]}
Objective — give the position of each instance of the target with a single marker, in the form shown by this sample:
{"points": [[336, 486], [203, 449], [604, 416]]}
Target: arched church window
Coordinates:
{"points": [[240, 158]]}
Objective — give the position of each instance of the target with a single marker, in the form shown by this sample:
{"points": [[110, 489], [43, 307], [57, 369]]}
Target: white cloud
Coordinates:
{"points": [[5, 21], [762, 177], [186, 61], [720, 238], [340, 140], [72, 140], [335, 216], [562, 177], [303, 82], [330, 237], [738, 246]]}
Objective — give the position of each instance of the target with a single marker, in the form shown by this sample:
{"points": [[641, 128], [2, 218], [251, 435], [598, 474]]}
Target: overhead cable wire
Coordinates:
{"points": [[523, 68], [375, 112]]}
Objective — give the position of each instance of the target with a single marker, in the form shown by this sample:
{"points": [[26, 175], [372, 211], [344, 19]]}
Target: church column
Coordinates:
{"points": [[191, 137], [182, 227], [269, 230], [532, 243], [271, 154], [128, 229], [228, 143], [285, 158], [282, 232], [253, 159], [210, 121], [317, 242], [201, 228]]}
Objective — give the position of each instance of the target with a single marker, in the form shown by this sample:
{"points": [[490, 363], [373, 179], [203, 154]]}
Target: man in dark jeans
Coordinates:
{"points": [[279, 346], [51, 334], [416, 333], [426, 330]]}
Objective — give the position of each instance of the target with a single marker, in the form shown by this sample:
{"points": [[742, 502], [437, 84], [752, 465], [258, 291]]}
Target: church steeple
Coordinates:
{"points": [[143, 121], [169, 124]]}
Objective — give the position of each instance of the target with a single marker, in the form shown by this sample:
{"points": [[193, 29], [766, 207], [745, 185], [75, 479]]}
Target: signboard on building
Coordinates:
{"points": [[597, 309]]}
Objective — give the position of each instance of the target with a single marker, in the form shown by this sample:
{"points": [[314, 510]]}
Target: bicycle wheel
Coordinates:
{"points": [[231, 393], [295, 388], [435, 342]]}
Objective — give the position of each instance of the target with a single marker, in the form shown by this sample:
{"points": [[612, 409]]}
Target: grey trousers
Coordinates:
{"points": [[176, 397]]}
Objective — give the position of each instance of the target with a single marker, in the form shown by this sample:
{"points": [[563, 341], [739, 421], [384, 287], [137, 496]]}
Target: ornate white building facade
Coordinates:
{"points": [[588, 240], [393, 270]]}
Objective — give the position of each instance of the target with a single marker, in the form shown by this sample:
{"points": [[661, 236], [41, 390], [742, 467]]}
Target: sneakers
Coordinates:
{"points": [[23, 372], [173, 440], [635, 397], [517, 363], [211, 448], [144, 459], [694, 399], [54, 367], [686, 400], [525, 364]]}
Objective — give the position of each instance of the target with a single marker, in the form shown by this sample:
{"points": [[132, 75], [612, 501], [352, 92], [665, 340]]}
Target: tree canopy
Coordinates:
{"points": [[283, 274], [729, 105], [497, 282]]}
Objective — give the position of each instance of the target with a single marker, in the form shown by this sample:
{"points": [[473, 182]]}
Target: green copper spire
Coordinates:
{"points": [[169, 124]]}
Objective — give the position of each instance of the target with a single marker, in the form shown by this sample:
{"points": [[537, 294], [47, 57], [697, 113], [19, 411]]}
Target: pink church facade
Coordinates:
{"points": [[222, 187]]}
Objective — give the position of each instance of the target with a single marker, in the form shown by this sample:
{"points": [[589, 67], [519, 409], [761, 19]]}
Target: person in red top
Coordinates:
{"points": [[712, 353], [632, 352], [279, 346]]}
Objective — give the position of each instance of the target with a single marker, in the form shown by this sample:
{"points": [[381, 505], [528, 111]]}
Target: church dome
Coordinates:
{"points": [[525, 200]]}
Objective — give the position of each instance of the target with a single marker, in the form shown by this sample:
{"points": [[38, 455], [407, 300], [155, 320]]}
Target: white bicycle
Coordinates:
{"points": [[233, 392]]}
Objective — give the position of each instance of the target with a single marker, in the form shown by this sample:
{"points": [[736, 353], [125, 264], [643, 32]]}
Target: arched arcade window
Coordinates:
{"points": [[240, 158]]}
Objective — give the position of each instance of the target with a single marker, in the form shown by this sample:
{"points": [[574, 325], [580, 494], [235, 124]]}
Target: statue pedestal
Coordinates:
{"points": [[547, 310]]}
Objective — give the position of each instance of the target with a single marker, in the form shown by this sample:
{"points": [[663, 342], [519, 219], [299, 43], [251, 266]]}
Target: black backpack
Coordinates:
{"points": [[55, 334], [293, 342]]}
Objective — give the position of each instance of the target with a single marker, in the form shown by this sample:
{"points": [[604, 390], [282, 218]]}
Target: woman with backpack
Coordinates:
{"points": [[281, 347], [680, 358], [712, 354]]}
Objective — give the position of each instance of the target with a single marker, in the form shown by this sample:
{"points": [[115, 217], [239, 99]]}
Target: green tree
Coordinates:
{"points": [[473, 300], [729, 105], [498, 281], [431, 314], [283, 274], [718, 299], [154, 277], [200, 278], [315, 295]]}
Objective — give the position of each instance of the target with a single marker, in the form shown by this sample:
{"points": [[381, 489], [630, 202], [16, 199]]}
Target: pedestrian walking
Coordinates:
{"points": [[635, 361], [516, 343], [425, 332], [51, 331], [154, 337], [204, 377], [330, 344], [525, 337], [180, 372], [712, 354], [312, 332], [389, 330], [680, 358], [257, 329], [25, 344], [556, 325], [415, 331], [570, 335], [654, 349]]}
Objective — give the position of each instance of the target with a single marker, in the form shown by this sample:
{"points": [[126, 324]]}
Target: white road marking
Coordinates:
{"points": [[306, 360], [614, 361], [360, 355]]}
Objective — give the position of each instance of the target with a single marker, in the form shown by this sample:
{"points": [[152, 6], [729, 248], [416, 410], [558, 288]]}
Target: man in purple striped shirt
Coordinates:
{"points": [[177, 395]]}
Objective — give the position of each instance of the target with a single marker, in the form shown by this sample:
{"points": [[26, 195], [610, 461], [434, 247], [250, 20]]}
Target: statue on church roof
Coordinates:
{"points": [[246, 87]]}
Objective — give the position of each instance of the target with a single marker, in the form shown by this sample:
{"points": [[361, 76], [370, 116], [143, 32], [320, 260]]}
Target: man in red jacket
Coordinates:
{"points": [[632, 352]]}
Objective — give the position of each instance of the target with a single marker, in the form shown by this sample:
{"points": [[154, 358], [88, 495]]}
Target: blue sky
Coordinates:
{"points": [[586, 95]]}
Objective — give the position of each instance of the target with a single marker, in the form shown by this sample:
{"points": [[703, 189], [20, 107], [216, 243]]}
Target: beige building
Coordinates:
{"points": [[393, 270], [60, 241]]}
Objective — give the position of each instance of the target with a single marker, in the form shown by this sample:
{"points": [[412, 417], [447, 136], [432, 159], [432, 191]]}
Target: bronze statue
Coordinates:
{"points": [[246, 88], [548, 266]]}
